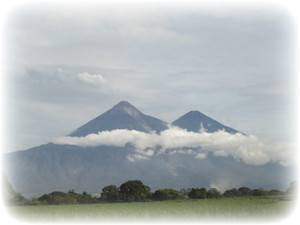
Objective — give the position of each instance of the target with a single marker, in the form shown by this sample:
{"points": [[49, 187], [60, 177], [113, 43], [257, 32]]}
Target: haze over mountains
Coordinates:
{"points": [[123, 143]]}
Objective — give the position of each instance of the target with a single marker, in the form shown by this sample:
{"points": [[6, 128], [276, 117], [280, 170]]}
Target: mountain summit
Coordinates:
{"points": [[121, 116], [58, 167], [196, 121]]}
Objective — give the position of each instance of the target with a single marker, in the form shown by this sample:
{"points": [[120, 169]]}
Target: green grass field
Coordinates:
{"points": [[229, 209]]}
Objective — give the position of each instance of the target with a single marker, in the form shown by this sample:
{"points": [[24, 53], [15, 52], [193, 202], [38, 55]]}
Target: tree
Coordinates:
{"points": [[134, 190], [166, 194], [213, 193], [184, 193], [71, 197], [110, 193], [244, 191], [85, 198], [275, 192], [197, 193], [54, 198], [231, 193], [259, 192]]}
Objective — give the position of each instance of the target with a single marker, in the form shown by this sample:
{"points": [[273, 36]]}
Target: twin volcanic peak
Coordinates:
{"points": [[59, 167], [126, 116]]}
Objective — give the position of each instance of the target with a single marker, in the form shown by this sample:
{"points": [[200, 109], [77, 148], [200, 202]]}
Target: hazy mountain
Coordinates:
{"points": [[57, 167], [121, 116], [54, 167], [196, 121]]}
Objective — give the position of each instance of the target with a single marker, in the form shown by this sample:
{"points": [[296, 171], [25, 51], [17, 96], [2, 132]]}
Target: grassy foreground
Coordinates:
{"points": [[229, 209]]}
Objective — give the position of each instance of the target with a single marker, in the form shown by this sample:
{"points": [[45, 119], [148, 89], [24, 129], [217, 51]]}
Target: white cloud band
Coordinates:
{"points": [[250, 149]]}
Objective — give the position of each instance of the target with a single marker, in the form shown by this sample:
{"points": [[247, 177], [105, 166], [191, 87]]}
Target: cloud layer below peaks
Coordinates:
{"points": [[248, 148]]}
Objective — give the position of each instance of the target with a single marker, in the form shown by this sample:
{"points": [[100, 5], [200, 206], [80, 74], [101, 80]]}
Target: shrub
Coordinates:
{"points": [[245, 191], [213, 193], [259, 192], [231, 193], [166, 194], [197, 193]]}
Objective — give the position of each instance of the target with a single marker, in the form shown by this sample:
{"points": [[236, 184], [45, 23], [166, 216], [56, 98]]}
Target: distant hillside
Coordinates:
{"points": [[60, 167]]}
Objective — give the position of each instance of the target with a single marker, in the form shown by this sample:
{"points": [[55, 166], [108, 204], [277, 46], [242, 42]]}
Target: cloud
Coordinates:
{"points": [[91, 79], [158, 57], [223, 184], [249, 149], [136, 157], [46, 75]]}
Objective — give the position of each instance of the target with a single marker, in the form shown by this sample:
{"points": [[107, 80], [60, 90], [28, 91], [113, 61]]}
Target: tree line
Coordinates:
{"points": [[136, 191]]}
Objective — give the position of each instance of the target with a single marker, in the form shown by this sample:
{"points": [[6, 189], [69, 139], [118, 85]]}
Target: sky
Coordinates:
{"points": [[65, 64]]}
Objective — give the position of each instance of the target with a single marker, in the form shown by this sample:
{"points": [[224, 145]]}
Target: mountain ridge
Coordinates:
{"points": [[62, 167], [196, 121], [53, 167], [121, 116], [126, 116]]}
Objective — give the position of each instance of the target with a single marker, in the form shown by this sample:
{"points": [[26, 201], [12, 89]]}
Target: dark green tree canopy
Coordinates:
{"points": [[213, 193], [71, 197], [259, 192], [245, 191], [166, 194], [56, 198], [231, 193], [110, 193], [199, 193], [134, 190]]}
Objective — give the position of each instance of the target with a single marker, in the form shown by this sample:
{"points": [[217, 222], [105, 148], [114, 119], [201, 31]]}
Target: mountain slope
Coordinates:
{"points": [[59, 167], [121, 116], [196, 121], [54, 167]]}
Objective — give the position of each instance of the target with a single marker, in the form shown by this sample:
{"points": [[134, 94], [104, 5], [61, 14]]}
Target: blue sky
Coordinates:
{"points": [[67, 64]]}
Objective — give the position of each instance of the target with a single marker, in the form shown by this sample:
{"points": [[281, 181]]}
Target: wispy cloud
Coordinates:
{"points": [[91, 79], [249, 149]]}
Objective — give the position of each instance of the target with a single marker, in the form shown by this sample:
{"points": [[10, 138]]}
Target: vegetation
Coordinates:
{"points": [[134, 200], [166, 194], [199, 193], [253, 208], [10, 196], [136, 191], [231, 193], [57, 198], [110, 193], [213, 193]]}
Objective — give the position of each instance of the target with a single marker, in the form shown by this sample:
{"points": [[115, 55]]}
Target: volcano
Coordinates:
{"points": [[121, 116], [61, 167], [196, 121]]}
